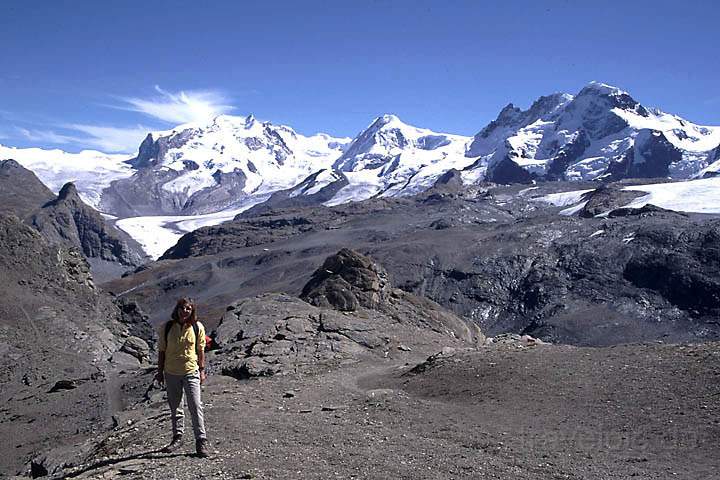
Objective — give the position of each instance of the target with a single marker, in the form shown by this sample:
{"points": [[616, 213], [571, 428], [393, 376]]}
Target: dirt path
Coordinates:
{"points": [[647, 412]]}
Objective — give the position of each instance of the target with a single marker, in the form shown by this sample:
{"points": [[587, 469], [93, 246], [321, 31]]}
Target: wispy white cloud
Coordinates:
{"points": [[46, 136], [181, 107], [112, 139], [185, 106], [104, 138]]}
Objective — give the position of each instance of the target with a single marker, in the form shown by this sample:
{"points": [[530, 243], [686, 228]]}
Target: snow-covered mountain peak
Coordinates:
{"points": [[599, 88], [583, 137], [386, 138], [201, 168]]}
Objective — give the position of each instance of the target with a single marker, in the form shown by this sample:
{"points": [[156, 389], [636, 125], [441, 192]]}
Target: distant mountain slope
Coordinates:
{"points": [[202, 174], [89, 170], [600, 132], [65, 219], [232, 161]]}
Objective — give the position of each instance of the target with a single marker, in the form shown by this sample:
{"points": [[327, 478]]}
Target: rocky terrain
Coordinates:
{"points": [[627, 275], [60, 340], [66, 220], [405, 304], [506, 410], [358, 379]]}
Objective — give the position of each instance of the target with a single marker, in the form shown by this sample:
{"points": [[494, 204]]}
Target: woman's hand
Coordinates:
{"points": [[203, 377], [160, 377]]}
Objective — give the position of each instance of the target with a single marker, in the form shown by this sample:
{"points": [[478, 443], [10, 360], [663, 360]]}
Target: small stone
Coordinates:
{"points": [[404, 348], [289, 394], [331, 408]]}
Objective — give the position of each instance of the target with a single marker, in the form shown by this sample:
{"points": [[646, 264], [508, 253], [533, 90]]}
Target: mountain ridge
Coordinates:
{"points": [[233, 163]]}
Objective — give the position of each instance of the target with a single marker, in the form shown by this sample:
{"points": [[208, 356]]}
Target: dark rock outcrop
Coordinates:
{"points": [[21, 192], [244, 232], [650, 157], [607, 197], [507, 171], [143, 194], [346, 282], [648, 209], [152, 151], [67, 220], [449, 182], [227, 189], [683, 266], [568, 155]]}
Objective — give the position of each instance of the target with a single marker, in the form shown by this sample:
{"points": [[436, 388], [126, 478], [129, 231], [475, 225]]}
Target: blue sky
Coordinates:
{"points": [[89, 74]]}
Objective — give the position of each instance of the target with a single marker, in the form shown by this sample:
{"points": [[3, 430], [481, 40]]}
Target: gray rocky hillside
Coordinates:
{"points": [[505, 260], [60, 338], [348, 311], [65, 219], [21, 192]]}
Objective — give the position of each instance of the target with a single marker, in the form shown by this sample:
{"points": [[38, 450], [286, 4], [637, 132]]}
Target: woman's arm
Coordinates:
{"points": [[201, 365], [160, 376]]}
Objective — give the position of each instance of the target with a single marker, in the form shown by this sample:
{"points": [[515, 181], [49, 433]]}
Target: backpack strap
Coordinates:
{"points": [[168, 326], [196, 329]]}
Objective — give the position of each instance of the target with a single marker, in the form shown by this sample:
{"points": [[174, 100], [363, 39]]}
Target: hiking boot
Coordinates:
{"points": [[174, 444], [201, 447]]}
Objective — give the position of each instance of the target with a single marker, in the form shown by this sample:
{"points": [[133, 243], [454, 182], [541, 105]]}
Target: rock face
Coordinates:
{"points": [[683, 266], [346, 282], [244, 232], [67, 220], [21, 192], [358, 314], [650, 157], [508, 171]]}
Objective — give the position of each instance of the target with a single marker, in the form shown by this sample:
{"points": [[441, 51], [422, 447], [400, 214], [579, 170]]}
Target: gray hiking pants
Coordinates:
{"points": [[190, 384]]}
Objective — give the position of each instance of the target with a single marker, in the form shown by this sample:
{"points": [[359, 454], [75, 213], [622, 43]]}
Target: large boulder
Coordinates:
{"points": [[347, 281]]}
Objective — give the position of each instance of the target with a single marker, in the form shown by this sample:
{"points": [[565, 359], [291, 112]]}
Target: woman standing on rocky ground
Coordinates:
{"points": [[181, 366]]}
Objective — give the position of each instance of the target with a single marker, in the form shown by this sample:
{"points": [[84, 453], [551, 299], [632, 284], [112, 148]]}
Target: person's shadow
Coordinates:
{"points": [[149, 455]]}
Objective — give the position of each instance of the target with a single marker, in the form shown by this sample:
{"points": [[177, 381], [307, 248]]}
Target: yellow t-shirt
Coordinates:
{"points": [[180, 355]]}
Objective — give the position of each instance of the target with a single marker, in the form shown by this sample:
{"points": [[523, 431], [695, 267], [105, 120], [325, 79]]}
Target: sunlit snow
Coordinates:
{"points": [[91, 171], [564, 199], [693, 196], [156, 234]]}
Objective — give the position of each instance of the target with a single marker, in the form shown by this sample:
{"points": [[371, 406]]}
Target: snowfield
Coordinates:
{"points": [[691, 196], [156, 234], [694, 196], [91, 171], [563, 199]]}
